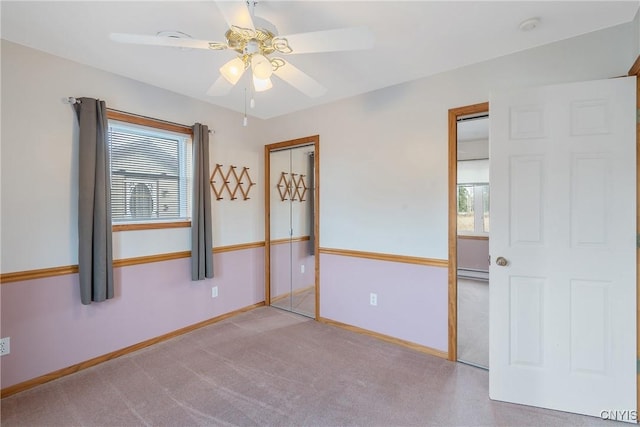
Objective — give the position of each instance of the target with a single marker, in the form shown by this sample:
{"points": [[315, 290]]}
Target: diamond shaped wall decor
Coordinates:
{"points": [[230, 182], [292, 188]]}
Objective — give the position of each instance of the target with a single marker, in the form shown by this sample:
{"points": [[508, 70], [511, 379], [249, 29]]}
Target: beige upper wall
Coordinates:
{"points": [[383, 155], [636, 23], [40, 154]]}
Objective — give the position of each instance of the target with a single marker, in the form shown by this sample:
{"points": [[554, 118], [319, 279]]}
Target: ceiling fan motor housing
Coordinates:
{"points": [[248, 42]]}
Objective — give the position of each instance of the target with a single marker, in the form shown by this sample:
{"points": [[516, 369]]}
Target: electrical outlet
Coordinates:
{"points": [[214, 292], [5, 347], [373, 299], [302, 268]]}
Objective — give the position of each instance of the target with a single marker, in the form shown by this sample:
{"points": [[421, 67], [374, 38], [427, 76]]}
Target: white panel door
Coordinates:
{"points": [[563, 207]]}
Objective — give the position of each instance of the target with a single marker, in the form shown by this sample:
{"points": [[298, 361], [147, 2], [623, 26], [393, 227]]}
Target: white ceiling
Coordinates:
{"points": [[413, 39]]}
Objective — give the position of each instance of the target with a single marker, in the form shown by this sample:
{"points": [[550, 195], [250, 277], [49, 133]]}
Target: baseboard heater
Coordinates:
{"points": [[469, 273]]}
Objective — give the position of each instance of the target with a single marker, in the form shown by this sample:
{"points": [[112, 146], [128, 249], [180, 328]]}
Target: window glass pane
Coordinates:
{"points": [[465, 208], [141, 201], [150, 171], [485, 206]]}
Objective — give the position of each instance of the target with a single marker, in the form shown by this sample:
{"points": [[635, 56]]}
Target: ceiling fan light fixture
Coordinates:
{"points": [[261, 66], [233, 70], [260, 85]]}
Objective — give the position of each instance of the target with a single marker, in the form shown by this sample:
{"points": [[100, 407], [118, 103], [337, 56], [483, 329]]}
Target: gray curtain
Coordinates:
{"points": [[201, 240], [95, 258], [312, 202]]}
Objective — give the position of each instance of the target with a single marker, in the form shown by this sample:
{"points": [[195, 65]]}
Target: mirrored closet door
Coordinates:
{"points": [[291, 244]]}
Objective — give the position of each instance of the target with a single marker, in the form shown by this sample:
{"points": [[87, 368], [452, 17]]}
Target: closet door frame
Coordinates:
{"points": [[314, 141]]}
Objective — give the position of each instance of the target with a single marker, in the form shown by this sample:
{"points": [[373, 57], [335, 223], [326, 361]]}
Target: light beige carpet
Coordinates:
{"points": [[268, 367], [473, 322]]}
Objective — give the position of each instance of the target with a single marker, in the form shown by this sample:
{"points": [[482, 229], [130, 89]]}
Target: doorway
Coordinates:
{"points": [[473, 222], [291, 226], [468, 235]]}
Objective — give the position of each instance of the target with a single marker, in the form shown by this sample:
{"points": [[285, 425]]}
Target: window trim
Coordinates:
{"points": [[149, 122], [157, 124], [150, 226]]}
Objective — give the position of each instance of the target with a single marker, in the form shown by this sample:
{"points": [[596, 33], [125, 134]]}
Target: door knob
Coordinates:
{"points": [[501, 261]]}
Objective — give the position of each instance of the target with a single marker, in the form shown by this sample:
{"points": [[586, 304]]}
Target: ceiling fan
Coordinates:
{"points": [[257, 45]]}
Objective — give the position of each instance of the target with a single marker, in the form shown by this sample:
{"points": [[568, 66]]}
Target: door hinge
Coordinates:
{"points": [[637, 240], [638, 115]]}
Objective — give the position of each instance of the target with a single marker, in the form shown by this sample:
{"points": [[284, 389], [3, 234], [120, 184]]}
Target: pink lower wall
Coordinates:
{"points": [[473, 254], [412, 299], [286, 274], [50, 329]]}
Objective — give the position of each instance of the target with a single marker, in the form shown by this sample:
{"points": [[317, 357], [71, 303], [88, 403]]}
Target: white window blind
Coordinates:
{"points": [[150, 174]]}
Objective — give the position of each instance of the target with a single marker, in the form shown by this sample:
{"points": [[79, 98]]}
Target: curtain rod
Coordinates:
{"points": [[72, 100]]}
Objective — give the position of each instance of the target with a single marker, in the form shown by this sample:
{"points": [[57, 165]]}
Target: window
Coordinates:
{"points": [[473, 208], [150, 173]]}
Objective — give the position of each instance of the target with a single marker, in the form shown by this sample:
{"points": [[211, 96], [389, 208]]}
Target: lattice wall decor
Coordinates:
{"points": [[292, 187], [231, 182]]}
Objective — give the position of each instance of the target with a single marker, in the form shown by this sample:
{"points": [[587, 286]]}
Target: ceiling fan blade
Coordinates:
{"points": [[236, 13], [341, 39], [166, 41], [220, 87], [300, 80]]}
